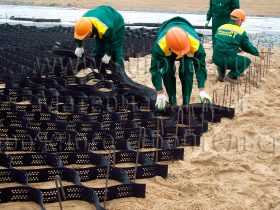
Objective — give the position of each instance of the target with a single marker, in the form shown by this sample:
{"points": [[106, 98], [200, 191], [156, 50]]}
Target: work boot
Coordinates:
{"points": [[221, 76], [231, 79]]}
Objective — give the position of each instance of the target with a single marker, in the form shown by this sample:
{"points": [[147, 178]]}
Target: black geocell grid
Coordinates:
{"points": [[58, 120]]}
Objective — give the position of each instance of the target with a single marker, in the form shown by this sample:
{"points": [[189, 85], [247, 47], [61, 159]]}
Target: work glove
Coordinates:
{"points": [[161, 102], [203, 95], [79, 52], [106, 59], [206, 23]]}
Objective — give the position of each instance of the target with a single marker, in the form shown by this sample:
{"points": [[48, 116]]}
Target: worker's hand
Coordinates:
{"points": [[79, 52], [106, 59], [240, 50], [206, 23], [262, 56], [203, 95], [161, 101]]}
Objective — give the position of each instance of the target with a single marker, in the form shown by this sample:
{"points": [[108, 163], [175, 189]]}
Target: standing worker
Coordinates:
{"points": [[219, 11], [229, 38], [177, 40], [106, 26]]}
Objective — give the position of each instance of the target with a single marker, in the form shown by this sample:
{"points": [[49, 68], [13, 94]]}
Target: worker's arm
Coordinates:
{"points": [[201, 73], [111, 39], [200, 67], [247, 46], [235, 4], [79, 43], [79, 49], [209, 13], [157, 63]]}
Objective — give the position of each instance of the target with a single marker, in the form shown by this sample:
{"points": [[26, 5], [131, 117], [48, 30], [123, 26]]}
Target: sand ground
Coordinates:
{"points": [[252, 7], [237, 165]]}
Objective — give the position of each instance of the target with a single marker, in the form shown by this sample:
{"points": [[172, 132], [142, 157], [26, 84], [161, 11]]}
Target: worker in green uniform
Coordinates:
{"points": [[229, 39], [106, 26], [219, 11], [177, 40]]}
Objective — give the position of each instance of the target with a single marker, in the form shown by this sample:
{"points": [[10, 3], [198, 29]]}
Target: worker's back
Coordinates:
{"points": [[161, 47], [228, 39], [108, 15], [179, 22]]}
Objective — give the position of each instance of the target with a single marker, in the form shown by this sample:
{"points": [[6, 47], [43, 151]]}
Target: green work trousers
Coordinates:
{"points": [[101, 47], [237, 64], [186, 77]]}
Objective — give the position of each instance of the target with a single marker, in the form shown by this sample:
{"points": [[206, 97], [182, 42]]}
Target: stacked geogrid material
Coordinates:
{"points": [[83, 121]]}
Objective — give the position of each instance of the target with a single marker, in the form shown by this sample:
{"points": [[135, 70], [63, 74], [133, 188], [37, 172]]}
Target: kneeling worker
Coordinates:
{"points": [[229, 39]]}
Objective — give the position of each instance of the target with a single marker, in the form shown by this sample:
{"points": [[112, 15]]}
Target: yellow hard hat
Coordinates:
{"points": [[178, 41], [83, 27]]}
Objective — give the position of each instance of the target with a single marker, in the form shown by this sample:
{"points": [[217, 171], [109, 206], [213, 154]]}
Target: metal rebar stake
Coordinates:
{"points": [[189, 116], [238, 89], [202, 117], [257, 78], [246, 82], [249, 79], [264, 66], [230, 94], [113, 147], [176, 142], [157, 143], [60, 190], [225, 92], [142, 135], [267, 66], [215, 97], [107, 176], [257, 71], [160, 127], [270, 49], [180, 116], [260, 69]]}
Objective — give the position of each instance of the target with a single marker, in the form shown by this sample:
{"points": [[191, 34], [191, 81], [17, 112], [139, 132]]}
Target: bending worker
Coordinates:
{"points": [[219, 11], [177, 40], [229, 38], [106, 26]]}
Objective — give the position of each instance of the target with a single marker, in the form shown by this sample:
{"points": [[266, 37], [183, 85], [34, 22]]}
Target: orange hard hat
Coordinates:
{"points": [[83, 27], [238, 13], [178, 41]]}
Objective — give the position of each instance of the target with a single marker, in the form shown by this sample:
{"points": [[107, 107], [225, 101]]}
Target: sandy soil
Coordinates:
{"points": [[20, 206], [73, 205], [9, 184], [252, 7], [101, 183], [31, 167], [48, 185], [76, 166], [237, 165]]}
